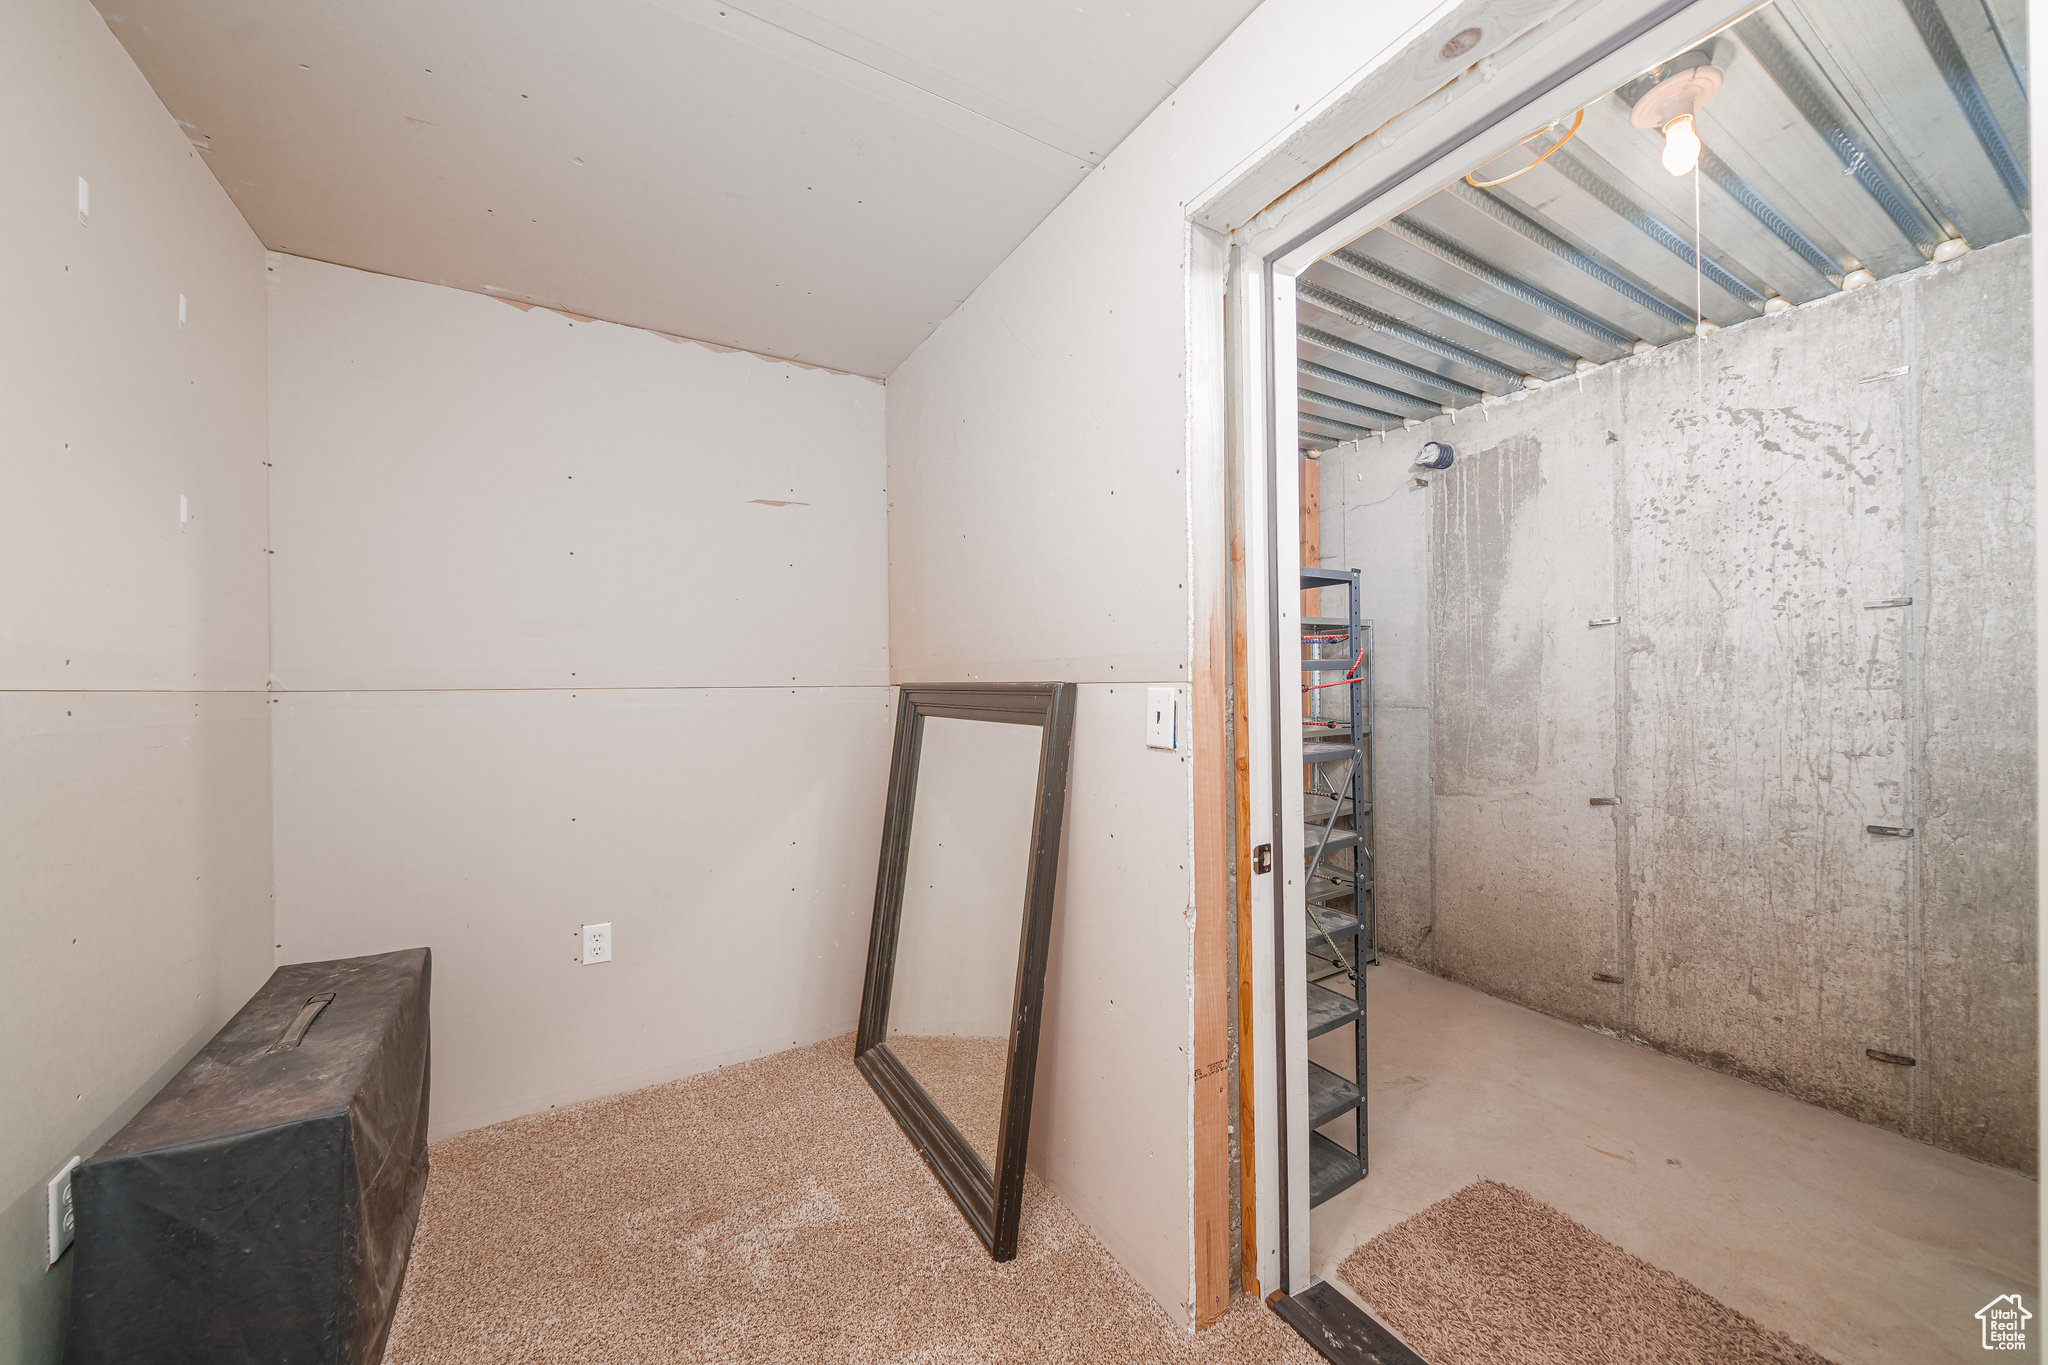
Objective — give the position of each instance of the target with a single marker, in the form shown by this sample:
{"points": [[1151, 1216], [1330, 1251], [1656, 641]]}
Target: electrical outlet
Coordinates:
{"points": [[1162, 718], [63, 1212], [597, 943]]}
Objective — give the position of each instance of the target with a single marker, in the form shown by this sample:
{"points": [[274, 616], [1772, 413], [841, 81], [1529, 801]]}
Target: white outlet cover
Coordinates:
{"points": [[1162, 718], [597, 943], [63, 1212]]}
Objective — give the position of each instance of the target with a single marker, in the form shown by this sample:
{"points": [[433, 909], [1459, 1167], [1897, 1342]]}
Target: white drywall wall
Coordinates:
{"points": [[134, 753], [1038, 530], [116, 411], [576, 624], [473, 495], [490, 825], [964, 879]]}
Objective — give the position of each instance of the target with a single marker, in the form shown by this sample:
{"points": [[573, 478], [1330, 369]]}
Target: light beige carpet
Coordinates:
{"points": [[964, 1077], [1491, 1276], [765, 1212]]}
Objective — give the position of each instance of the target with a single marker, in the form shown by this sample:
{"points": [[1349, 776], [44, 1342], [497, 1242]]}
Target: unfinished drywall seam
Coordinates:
{"points": [[270, 678], [528, 305], [1912, 644], [1624, 897]]}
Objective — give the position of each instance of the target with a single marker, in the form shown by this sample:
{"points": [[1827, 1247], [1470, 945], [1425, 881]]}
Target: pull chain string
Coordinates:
{"points": [[1699, 307]]}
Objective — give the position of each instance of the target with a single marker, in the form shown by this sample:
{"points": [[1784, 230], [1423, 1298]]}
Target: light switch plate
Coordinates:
{"points": [[1162, 718], [63, 1212], [597, 943]]}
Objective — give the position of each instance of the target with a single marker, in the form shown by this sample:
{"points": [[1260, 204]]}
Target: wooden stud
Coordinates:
{"points": [[1311, 537], [1212, 1108]]}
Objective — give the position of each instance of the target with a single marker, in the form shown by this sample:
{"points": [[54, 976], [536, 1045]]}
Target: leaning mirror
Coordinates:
{"points": [[963, 916]]}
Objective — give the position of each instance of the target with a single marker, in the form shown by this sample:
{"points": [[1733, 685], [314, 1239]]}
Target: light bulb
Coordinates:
{"points": [[1681, 145]]}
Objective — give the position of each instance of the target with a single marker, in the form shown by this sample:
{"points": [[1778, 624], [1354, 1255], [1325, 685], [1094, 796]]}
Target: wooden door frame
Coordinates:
{"points": [[1463, 87]]}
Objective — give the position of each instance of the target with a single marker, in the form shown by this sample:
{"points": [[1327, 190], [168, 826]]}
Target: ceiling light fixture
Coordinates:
{"points": [[1688, 83], [1681, 145]]}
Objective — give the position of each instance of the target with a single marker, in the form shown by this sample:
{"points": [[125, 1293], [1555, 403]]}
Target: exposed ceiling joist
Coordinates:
{"points": [[1842, 142]]}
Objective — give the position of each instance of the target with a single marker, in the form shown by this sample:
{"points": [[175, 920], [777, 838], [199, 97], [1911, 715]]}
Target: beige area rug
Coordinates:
{"points": [[1491, 1276], [765, 1212], [964, 1076]]}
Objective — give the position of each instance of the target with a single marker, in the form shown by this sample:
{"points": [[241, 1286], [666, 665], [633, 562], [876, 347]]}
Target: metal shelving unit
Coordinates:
{"points": [[1338, 836]]}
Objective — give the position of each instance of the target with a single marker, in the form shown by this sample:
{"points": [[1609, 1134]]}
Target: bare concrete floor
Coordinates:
{"points": [[1867, 1246]]}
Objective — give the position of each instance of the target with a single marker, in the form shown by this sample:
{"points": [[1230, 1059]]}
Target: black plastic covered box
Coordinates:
{"points": [[260, 1210]]}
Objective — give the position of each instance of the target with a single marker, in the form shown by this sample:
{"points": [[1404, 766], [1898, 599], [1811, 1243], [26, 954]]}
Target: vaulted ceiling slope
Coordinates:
{"points": [[823, 180]]}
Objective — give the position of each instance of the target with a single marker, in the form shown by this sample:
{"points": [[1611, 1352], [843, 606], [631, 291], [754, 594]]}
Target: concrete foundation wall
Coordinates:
{"points": [[1738, 508]]}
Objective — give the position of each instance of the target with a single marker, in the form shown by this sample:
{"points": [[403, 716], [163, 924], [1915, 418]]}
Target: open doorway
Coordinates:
{"points": [[1665, 379]]}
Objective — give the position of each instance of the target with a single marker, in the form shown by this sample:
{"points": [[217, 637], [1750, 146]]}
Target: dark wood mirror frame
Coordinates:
{"points": [[992, 1201]]}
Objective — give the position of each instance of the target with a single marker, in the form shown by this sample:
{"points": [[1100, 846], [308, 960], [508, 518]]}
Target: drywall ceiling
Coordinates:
{"points": [[759, 174]]}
